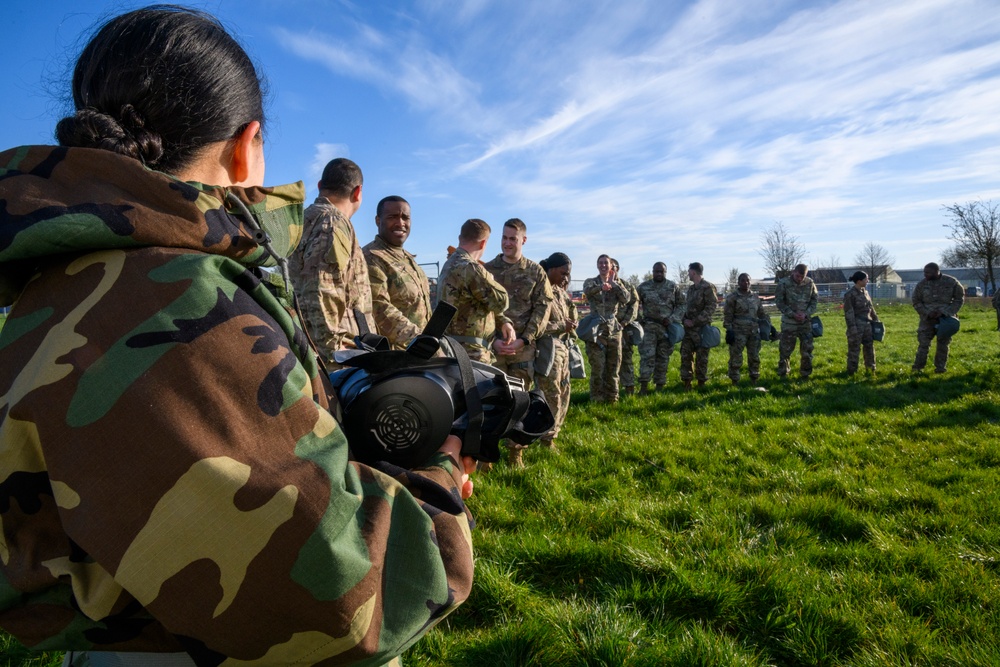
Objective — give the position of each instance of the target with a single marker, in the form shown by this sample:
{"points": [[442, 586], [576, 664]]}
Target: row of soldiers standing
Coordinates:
{"points": [[511, 307], [668, 316]]}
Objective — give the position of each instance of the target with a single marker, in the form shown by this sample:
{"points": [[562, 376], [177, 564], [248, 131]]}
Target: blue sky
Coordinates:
{"points": [[653, 131]]}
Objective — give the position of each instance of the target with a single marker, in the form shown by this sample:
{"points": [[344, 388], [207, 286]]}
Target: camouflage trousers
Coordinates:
{"points": [[521, 366], [605, 359], [556, 388], [860, 339], [626, 372], [925, 334], [694, 357], [654, 354], [750, 342], [789, 334]]}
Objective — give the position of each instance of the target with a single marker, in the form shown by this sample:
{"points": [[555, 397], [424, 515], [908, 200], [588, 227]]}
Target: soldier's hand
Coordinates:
{"points": [[730, 337], [507, 333], [452, 447], [570, 326]]}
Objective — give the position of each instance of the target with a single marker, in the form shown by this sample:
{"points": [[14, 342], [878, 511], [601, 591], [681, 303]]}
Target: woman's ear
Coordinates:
{"points": [[246, 163]]}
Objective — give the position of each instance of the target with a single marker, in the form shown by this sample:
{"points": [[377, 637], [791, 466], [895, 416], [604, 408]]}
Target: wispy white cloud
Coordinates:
{"points": [[693, 125]]}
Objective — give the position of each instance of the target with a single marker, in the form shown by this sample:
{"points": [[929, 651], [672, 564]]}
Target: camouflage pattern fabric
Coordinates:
{"points": [[662, 303], [480, 302], [791, 298], [401, 297], [699, 307], [556, 385], [859, 313], [606, 304], [741, 314], [946, 296], [628, 314], [172, 477], [605, 354], [529, 293], [330, 276]]}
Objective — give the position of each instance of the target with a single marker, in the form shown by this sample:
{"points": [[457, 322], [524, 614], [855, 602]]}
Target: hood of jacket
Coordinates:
{"points": [[57, 201]]}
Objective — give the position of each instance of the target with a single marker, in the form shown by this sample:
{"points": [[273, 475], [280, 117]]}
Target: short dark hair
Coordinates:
{"points": [[663, 264], [801, 268], [474, 230], [858, 275], [518, 224], [158, 84], [385, 200], [615, 263], [340, 177], [696, 266], [932, 266]]}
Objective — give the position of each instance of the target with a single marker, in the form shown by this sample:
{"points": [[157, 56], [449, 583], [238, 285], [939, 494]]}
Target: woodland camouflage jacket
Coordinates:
{"points": [[170, 476]]}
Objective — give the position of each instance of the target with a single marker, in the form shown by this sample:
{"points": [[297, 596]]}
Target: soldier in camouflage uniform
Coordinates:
{"points": [[560, 328], [173, 481], [606, 296], [481, 301], [797, 298], [627, 315], [662, 304], [859, 312], [401, 297], [937, 295], [741, 315], [328, 269], [699, 306], [530, 295]]}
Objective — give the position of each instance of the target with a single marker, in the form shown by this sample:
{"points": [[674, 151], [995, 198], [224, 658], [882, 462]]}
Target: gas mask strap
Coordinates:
{"points": [[473, 403]]}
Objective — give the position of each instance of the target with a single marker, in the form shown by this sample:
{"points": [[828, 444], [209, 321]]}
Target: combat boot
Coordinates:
{"points": [[754, 379], [514, 458], [484, 466], [661, 387], [643, 388], [628, 391], [736, 381], [702, 383], [687, 385]]}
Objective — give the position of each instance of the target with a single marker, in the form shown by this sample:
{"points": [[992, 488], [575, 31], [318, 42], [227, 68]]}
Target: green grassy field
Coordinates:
{"points": [[823, 522]]}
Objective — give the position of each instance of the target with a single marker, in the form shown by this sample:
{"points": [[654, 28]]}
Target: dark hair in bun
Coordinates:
{"points": [[158, 84]]}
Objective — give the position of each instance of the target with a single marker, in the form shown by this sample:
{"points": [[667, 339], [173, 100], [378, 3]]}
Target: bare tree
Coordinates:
{"points": [[875, 260], [732, 278], [682, 273], [780, 249], [975, 229], [831, 262], [634, 280]]}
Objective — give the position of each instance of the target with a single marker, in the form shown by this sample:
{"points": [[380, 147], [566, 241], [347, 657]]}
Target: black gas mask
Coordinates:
{"points": [[398, 406]]}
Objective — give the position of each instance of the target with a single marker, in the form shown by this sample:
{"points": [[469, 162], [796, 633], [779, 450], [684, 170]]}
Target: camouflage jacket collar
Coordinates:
{"points": [[398, 252], [57, 201]]}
